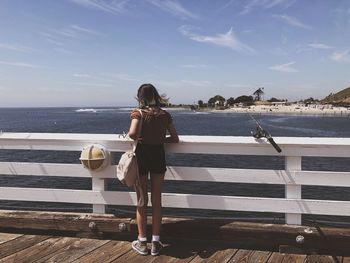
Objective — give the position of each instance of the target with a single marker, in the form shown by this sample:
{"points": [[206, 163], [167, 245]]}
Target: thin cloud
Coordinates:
{"points": [[228, 40], [319, 46], [65, 51], [17, 48], [194, 66], [72, 31], [78, 75], [84, 30], [292, 21], [340, 56], [54, 42], [174, 8], [18, 64], [228, 4], [114, 7], [287, 67], [264, 4]]}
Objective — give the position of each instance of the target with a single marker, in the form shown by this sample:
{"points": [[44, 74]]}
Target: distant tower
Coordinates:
{"points": [[258, 94]]}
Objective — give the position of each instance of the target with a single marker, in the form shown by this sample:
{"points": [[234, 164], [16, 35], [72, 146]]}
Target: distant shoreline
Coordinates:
{"points": [[320, 110], [289, 110]]}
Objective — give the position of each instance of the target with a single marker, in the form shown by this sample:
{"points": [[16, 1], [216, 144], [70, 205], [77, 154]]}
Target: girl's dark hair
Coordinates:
{"points": [[147, 95]]}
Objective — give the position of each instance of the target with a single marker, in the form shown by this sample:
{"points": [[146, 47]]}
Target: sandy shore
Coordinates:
{"points": [[290, 109]]}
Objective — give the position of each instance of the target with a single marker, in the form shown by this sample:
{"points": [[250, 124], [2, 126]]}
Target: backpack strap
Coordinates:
{"points": [[137, 185], [139, 131]]}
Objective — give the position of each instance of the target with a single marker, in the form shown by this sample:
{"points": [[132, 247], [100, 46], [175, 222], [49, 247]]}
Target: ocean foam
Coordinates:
{"points": [[86, 110]]}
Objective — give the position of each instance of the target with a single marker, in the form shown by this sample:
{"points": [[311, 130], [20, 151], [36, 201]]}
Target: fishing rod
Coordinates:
{"points": [[260, 132]]}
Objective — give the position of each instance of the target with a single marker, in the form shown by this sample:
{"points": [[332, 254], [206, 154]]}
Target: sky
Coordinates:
{"points": [[98, 52]]}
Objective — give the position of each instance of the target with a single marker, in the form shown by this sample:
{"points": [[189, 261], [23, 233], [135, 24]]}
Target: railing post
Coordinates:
{"points": [[293, 163], [98, 184]]}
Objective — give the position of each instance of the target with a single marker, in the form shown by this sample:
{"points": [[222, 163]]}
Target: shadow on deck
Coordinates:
{"points": [[43, 248], [73, 237]]}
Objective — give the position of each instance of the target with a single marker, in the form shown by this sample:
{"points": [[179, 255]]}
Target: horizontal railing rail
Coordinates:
{"points": [[293, 177]]}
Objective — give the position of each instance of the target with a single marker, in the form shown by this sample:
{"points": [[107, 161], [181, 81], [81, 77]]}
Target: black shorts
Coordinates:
{"points": [[151, 158]]}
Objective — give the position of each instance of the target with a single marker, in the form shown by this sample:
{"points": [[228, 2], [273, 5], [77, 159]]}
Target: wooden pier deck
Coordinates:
{"points": [[33, 236], [46, 248]]}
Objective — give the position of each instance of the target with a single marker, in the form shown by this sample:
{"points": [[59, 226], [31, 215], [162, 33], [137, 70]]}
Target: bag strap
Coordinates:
{"points": [[137, 185], [140, 125], [139, 130]]}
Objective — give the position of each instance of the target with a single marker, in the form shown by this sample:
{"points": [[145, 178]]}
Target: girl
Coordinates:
{"points": [[151, 160]]}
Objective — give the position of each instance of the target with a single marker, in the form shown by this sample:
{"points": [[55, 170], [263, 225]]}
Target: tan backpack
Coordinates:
{"points": [[127, 169]]}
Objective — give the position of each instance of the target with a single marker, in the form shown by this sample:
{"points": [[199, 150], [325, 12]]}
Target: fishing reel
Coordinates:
{"points": [[259, 133]]}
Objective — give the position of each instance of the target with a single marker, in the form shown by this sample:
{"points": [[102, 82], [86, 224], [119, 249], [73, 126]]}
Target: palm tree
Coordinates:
{"points": [[258, 93]]}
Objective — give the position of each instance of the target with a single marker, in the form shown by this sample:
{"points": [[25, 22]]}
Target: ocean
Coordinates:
{"points": [[117, 120]]}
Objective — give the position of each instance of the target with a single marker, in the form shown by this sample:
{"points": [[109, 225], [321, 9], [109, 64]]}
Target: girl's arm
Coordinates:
{"points": [[173, 138], [134, 128]]}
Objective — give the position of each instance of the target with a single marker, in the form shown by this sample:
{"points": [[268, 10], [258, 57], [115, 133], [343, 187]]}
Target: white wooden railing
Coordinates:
{"points": [[292, 177]]}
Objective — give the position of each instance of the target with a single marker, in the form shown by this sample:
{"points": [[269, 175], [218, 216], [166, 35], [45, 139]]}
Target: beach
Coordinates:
{"points": [[312, 109]]}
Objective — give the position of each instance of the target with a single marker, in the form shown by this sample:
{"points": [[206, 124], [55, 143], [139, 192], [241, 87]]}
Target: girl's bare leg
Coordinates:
{"points": [[156, 184], [141, 213]]}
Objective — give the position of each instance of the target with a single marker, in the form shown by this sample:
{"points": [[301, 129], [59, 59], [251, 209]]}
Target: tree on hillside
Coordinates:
{"points": [[200, 104], [244, 99], [258, 94], [311, 100], [216, 100], [230, 101], [211, 102], [273, 99]]}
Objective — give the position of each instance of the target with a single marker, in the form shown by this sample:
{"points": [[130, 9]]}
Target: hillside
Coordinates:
{"points": [[341, 97]]}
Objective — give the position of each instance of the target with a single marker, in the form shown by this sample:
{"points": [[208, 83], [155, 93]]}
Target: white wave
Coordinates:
{"points": [[201, 112], [94, 110], [126, 109], [86, 110], [193, 113]]}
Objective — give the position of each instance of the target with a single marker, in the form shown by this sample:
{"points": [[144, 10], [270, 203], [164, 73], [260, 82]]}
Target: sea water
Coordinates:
{"points": [[117, 120]]}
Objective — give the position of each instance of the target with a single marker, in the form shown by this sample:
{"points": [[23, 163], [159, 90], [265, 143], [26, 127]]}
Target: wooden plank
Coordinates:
{"points": [[174, 253], [107, 252], [293, 191], [132, 256], [237, 203], [61, 141], [276, 234], [4, 237], [322, 259], [256, 176], [54, 169], [258, 234], [252, 256], [19, 243], [59, 221], [286, 258], [39, 250], [258, 204], [74, 251], [346, 260], [291, 146], [215, 254]]}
